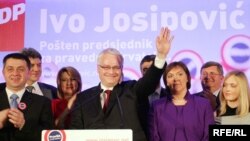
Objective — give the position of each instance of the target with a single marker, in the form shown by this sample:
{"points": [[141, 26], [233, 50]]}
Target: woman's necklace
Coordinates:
{"points": [[179, 101]]}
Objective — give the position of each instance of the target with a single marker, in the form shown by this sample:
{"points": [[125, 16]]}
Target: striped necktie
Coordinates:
{"points": [[13, 102], [30, 88]]}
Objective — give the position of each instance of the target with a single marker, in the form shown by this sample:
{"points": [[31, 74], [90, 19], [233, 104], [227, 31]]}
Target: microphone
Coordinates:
{"points": [[75, 107], [120, 111]]}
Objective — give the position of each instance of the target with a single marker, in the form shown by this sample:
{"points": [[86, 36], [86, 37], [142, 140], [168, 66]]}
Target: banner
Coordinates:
{"points": [[73, 32], [12, 20]]}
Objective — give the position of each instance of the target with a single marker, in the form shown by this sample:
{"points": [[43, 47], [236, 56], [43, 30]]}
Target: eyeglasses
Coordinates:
{"points": [[212, 74], [115, 68]]}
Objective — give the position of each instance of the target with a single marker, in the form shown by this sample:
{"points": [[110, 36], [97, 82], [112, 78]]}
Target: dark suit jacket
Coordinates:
{"points": [[122, 112], [37, 114], [2, 86], [163, 93], [143, 109], [48, 90], [213, 101]]}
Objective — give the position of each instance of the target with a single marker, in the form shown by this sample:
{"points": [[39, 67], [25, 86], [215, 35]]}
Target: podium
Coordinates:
{"points": [[233, 120], [88, 135]]}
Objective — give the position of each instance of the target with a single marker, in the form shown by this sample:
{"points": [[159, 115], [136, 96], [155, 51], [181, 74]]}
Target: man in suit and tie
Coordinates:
{"points": [[23, 115], [145, 64], [33, 84], [159, 92], [121, 111], [211, 76]]}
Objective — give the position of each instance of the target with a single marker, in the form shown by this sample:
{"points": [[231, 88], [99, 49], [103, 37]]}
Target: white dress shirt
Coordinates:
{"points": [[36, 89], [18, 93]]}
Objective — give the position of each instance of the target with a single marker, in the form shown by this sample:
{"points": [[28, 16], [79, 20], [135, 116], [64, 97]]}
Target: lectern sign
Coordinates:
{"points": [[87, 135]]}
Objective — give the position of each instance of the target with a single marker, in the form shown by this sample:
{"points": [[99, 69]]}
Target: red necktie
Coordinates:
{"points": [[106, 102]]}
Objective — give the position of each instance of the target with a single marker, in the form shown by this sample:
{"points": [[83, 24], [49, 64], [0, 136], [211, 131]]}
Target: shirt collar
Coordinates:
{"points": [[216, 92], [106, 88], [35, 85], [158, 90], [19, 93]]}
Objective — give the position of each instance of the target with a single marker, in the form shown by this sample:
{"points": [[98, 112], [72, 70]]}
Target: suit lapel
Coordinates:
{"points": [[117, 91], [163, 93], [46, 92], [93, 97], [4, 102], [25, 102]]}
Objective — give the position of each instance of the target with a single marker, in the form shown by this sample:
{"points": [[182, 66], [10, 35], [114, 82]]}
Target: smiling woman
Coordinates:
{"points": [[69, 84], [182, 115]]}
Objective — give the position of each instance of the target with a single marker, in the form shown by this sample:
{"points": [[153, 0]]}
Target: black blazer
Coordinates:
{"points": [[122, 111], [214, 101], [143, 110], [38, 116], [48, 90], [163, 93]]}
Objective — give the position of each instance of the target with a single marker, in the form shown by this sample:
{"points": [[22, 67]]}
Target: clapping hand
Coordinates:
{"points": [[3, 117], [16, 117]]}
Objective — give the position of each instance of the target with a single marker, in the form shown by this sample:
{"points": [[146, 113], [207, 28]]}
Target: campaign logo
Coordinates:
{"points": [[235, 52], [54, 135], [130, 74], [49, 70], [49, 73], [192, 59], [12, 16], [22, 106]]}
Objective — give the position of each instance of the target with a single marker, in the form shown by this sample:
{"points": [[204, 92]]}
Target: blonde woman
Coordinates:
{"points": [[234, 97]]}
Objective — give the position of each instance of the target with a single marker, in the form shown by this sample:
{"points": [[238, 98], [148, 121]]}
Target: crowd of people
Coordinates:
{"points": [[154, 113]]}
